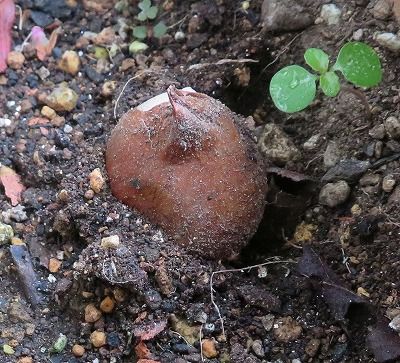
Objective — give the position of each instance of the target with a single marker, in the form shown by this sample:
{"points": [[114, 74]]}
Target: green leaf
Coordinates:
{"points": [[152, 12], [292, 88], [359, 64], [160, 30], [142, 16], [137, 47], [317, 59], [140, 31], [330, 84], [60, 344], [144, 5], [8, 350]]}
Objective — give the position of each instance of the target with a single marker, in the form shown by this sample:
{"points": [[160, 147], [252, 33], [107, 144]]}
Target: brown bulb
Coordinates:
{"points": [[188, 165]]}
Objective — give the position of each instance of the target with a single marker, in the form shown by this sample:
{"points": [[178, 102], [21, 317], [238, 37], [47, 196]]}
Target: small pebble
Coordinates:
{"points": [[15, 60], [311, 143], [68, 129], [209, 349], [331, 14], [331, 154], [107, 305], [25, 360], [89, 194], [395, 323], [110, 242], [392, 126], [92, 314], [377, 132], [388, 183], [388, 40], [62, 98], [108, 88], [98, 338], [78, 350], [333, 194], [70, 62], [6, 233], [54, 265], [258, 348], [96, 180], [287, 329]]}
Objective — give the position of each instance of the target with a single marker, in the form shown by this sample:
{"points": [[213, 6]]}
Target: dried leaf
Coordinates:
{"points": [[43, 46], [7, 16], [11, 182], [288, 174], [141, 350], [149, 331], [335, 294], [384, 342]]}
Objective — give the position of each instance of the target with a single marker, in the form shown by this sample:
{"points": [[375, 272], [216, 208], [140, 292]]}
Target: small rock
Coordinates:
{"points": [[106, 37], [331, 155], [70, 62], [388, 183], [268, 321], [62, 98], [276, 146], [209, 349], [54, 265], [382, 9], [395, 196], [333, 194], [26, 106], [287, 329], [43, 73], [312, 143], [312, 347], [388, 40], [258, 348], [331, 14], [370, 180], [16, 214], [6, 233], [358, 34], [349, 170], [395, 323], [392, 127], [96, 180], [92, 314], [98, 338], [107, 305], [275, 15], [18, 312], [57, 8], [78, 350], [25, 360], [93, 75], [15, 60], [89, 194], [40, 18], [108, 88], [377, 132], [17, 241]]}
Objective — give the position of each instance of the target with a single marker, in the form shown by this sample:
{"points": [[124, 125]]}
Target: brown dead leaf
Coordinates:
{"points": [[141, 350], [11, 182], [44, 50]]}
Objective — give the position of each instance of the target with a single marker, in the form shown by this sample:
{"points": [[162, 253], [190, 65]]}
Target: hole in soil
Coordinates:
{"points": [[246, 100]]}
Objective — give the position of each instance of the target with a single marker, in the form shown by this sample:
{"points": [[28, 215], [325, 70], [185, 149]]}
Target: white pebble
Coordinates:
{"points": [[331, 14]]}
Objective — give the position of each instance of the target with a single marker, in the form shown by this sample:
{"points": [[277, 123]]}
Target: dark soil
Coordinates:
{"points": [[152, 280]]}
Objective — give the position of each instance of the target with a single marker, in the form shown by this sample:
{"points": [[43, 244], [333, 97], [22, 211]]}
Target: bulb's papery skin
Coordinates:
{"points": [[188, 166]]}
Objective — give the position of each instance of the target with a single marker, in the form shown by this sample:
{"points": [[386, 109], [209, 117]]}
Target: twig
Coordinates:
{"points": [[221, 62], [272, 260]]}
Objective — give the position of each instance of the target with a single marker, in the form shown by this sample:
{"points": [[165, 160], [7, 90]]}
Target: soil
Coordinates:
{"points": [[163, 302]]}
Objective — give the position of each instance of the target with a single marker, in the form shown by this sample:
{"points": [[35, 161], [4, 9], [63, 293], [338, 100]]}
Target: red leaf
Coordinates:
{"points": [[141, 350], [7, 16], [12, 184]]}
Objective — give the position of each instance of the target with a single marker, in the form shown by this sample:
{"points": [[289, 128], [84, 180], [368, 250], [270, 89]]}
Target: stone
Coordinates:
{"points": [[54, 265], [19, 313], [106, 37], [312, 143], [287, 329], [370, 179], [40, 18], [395, 323], [78, 350], [209, 349], [6, 233], [276, 146], [92, 314], [275, 15], [15, 59], [62, 98], [392, 127], [258, 349], [98, 338], [378, 132], [70, 62], [333, 194], [382, 9], [56, 8], [267, 321], [108, 88], [17, 241], [388, 40], [25, 360], [332, 154], [312, 347], [388, 183], [394, 198], [16, 214], [349, 170], [107, 305], [331, 14], [96, 180]]}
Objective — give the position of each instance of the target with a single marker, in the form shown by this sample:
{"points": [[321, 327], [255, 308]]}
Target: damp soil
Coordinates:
{"points": [[271, 313]]}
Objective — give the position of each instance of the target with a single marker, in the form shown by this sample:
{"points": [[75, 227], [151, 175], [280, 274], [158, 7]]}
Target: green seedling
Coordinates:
{"points": [[293, 88], [140, 32]]}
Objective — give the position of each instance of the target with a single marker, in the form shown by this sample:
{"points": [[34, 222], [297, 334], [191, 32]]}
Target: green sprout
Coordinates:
{"points": [[293, 88], [141, 32]]}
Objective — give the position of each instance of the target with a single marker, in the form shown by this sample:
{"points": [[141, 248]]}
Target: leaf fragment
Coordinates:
{"points": [[12, 184]]}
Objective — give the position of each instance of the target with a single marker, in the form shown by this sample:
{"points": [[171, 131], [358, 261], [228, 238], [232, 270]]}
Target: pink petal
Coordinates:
{"points": [[7, 16]]}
